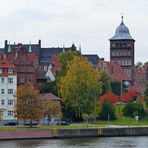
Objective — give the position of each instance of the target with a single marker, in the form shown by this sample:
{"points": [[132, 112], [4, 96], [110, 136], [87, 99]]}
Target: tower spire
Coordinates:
{"points": [[80, 48], [122, 18], [63, 48], [9, 48], [30, 48]]}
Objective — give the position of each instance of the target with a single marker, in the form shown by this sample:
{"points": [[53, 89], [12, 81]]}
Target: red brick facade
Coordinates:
{"points": [[24, 65]]}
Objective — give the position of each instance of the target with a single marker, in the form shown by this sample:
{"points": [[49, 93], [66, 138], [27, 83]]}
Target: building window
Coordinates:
{"points": [[29, 80], [10, 80], [2, 102], [22, 80], [45, 68], [2, 91], [30, 69], [2, 80], [10, 71], [10, 113], [10, 102], [10, 91], [1, 113], [21, 69], [1, 71]]}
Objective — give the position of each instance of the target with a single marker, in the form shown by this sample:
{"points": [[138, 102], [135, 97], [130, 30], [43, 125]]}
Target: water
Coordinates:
{"points": [[113, 142]]}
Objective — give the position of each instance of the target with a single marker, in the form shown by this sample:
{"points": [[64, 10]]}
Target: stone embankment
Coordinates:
{"points": [[70, 133]]}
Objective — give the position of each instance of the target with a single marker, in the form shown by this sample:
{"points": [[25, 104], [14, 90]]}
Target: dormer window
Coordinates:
{"points": [[1, 71], [10, 71]]}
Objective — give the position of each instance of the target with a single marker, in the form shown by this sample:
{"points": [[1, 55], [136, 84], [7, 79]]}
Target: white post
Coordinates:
{"points": [[108, 119]]}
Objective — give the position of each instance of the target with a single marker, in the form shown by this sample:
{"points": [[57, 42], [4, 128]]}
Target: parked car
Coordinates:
{"points": [[63, 123], [11, 123], [28, 123]]}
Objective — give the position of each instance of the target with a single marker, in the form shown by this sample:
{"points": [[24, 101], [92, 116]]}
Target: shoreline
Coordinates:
{"points": [[73, 133]]}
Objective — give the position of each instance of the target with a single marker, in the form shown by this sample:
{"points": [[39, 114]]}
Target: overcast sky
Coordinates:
{"points": [[87, 22]]}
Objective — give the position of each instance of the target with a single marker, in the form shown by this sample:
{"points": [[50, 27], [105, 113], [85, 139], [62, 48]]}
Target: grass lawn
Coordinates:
{"points": [[46, 127], [125, 121]]}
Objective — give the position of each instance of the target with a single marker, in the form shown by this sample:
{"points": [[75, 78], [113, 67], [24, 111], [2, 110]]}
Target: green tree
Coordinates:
{"points": [[138, 64], [116, 87], [65, 58], [132, 109], [49, 87], [105, 79], [28, 106], [108, 109], [79, 86]]}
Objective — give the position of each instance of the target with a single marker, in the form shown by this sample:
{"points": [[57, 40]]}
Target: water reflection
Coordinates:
{"points": [[113, 142]]}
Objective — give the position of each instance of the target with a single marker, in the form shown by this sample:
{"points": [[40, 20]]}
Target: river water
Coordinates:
{"points": [[113, 142]]}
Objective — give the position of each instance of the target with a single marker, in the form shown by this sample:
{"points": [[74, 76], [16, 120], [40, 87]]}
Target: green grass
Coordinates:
{"points": [[125, 121], [46, 127]]}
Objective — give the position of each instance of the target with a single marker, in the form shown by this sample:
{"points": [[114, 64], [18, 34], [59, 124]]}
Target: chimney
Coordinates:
{"points": [[102, 59], [6, 44], [39, 43]]}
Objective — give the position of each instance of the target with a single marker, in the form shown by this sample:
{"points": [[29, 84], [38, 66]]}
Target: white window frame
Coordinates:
{"points": [[10, 80], [10, 91]]}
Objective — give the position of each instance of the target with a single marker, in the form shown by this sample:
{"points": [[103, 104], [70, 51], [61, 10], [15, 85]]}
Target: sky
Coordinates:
{"points": [[90, 23]]}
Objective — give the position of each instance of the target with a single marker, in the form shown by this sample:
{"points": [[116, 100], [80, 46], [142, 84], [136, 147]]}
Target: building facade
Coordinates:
{"points": [[8, 87], [122, 49]]}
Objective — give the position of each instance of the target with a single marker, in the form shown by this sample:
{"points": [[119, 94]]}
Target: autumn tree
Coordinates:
{"points": [[28, 106], [146, 94], [131, 95], [51, 108], [105, 79], [111, 97], [79, 86]]}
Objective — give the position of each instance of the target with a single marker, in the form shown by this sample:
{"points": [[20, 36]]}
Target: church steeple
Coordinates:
{"points": [[30, 48]]}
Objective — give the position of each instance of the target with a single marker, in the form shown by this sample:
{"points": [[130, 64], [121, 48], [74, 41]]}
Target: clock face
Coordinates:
{"points": [[126, 83]]}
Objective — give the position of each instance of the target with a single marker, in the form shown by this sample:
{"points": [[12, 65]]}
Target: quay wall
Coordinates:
{"points": [[71, 133]]}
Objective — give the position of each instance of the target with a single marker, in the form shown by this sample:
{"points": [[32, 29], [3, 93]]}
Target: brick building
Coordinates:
{"points": [[122, 50], [33, 62]]}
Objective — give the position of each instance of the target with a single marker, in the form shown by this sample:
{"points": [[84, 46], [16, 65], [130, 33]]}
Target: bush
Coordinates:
{"points": [[133, 109], [107, 109]]}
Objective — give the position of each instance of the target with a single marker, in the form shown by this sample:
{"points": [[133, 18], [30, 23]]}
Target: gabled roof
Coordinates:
{"points": [[117, 73], [4, 63], [93, 58], [114, 69], [47, 53], [50, 96]]}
